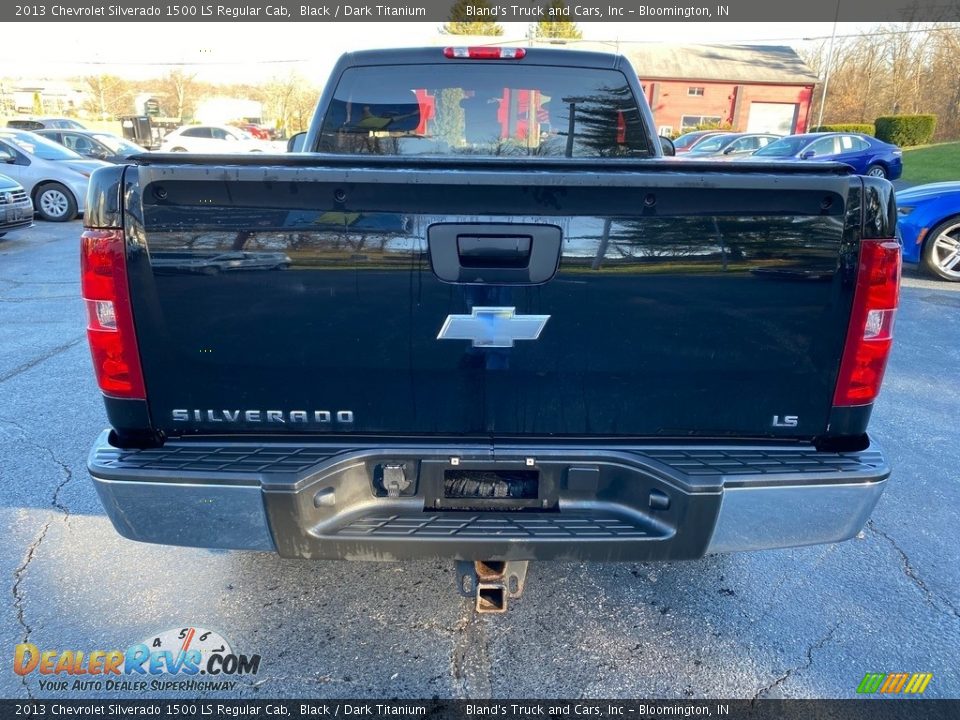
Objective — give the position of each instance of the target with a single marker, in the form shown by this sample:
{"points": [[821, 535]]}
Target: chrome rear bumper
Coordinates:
{"points": [[634, 504]]}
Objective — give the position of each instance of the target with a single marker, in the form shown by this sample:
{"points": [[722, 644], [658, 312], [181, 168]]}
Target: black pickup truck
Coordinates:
{"points": [[483, 317]]}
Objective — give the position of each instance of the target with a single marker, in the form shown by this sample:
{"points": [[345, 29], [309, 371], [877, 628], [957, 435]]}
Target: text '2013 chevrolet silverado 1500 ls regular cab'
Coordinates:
{"points": [[484, 318]]}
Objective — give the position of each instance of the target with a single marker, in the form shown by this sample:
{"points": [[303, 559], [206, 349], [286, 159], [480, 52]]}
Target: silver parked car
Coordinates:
{"points": [[94, 144], [730, 145], [39, 123], [54, 177], [16, 210]]}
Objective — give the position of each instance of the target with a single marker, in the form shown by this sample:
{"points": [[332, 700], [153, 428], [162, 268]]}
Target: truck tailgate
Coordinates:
{"points": [[306, 295]]}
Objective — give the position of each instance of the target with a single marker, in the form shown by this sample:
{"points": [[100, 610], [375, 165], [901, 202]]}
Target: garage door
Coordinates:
{"points": [[779, 118]]}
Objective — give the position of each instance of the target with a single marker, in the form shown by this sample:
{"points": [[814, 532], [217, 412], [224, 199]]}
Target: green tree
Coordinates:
{"points": [[462, 23], [555, 25], [451, 120], [601, 120]]}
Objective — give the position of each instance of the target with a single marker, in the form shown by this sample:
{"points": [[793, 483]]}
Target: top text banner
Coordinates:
{"points": [[524, 11]]}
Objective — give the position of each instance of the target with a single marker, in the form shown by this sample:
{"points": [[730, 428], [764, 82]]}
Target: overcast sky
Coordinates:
{"points": [[252, 52]]}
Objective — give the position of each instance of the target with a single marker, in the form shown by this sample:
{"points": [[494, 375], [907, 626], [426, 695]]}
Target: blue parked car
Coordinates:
{"points": [[929, 227], [867, 155]]}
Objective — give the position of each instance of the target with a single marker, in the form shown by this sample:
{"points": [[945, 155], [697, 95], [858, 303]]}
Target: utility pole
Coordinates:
{"points": [[826, 79]]}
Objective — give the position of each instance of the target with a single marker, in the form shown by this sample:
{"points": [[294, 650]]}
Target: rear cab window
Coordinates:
{"points": [[484, 110]]}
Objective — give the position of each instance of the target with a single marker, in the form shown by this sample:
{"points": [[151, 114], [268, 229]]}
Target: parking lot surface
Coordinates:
{"points": [[808, 622]]}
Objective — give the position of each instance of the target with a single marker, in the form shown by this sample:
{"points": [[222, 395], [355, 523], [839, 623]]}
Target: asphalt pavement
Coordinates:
{"points": [[807, 622]]}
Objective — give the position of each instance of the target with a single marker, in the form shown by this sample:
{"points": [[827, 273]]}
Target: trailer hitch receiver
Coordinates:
{"points": [[491, 582]]}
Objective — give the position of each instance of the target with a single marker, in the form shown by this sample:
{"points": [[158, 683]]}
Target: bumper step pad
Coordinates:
{"points": [[515, 526]]}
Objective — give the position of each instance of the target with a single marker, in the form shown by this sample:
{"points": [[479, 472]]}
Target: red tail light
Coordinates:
{"points": [[113, 343], [870, 334], [484, 53]]}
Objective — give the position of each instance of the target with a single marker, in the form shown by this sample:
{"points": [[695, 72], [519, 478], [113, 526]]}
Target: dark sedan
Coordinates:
{"points": [[867, 155], [94, 144]]}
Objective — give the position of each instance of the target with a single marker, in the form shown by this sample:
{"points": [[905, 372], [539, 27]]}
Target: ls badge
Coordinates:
{"points": [[490, 327]]}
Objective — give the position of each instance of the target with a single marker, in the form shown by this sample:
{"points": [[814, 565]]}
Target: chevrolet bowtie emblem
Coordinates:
{"points": [[493, 327]]}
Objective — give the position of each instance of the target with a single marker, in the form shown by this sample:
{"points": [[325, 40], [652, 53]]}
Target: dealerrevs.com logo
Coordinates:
{"points": [[203, 660]]}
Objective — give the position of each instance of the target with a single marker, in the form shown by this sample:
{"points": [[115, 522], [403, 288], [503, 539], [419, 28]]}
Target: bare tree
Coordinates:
{"points": [[177, 87], [901, 68], [289, 100], [109, 96]]}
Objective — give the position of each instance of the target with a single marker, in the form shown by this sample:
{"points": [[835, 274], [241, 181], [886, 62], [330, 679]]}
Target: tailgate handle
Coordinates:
{"points": [[494, 253]]}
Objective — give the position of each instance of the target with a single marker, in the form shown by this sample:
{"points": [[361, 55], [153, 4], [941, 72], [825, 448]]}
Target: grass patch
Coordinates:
{"points": [[932, 163]]}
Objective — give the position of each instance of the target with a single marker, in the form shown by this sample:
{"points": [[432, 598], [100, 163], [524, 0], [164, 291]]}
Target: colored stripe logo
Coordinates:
{"points": [[894, 683]]}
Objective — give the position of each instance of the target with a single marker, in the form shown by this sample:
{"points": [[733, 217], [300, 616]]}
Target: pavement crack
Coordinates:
{"points": [[930, 595], [37, 360], [65, 469], [808, 661], [19, 596], [67, 477], [19, 593], [470, 659]]}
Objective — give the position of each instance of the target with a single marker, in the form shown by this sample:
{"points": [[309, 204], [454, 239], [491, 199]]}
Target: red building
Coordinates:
{"points": [[753, 88]]}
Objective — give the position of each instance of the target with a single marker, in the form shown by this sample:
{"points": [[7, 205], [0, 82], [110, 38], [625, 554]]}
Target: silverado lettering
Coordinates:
{"points": [[557, 343], [258, 416]]}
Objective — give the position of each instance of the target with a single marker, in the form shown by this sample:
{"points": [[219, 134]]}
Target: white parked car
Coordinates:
{"points": [[16, 210], [212, 139], [54, 177]]}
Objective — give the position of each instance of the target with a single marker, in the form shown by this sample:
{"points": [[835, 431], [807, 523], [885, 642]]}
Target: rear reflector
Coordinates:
{"points": [[870, 333], [484, 53], [113, 344]]}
